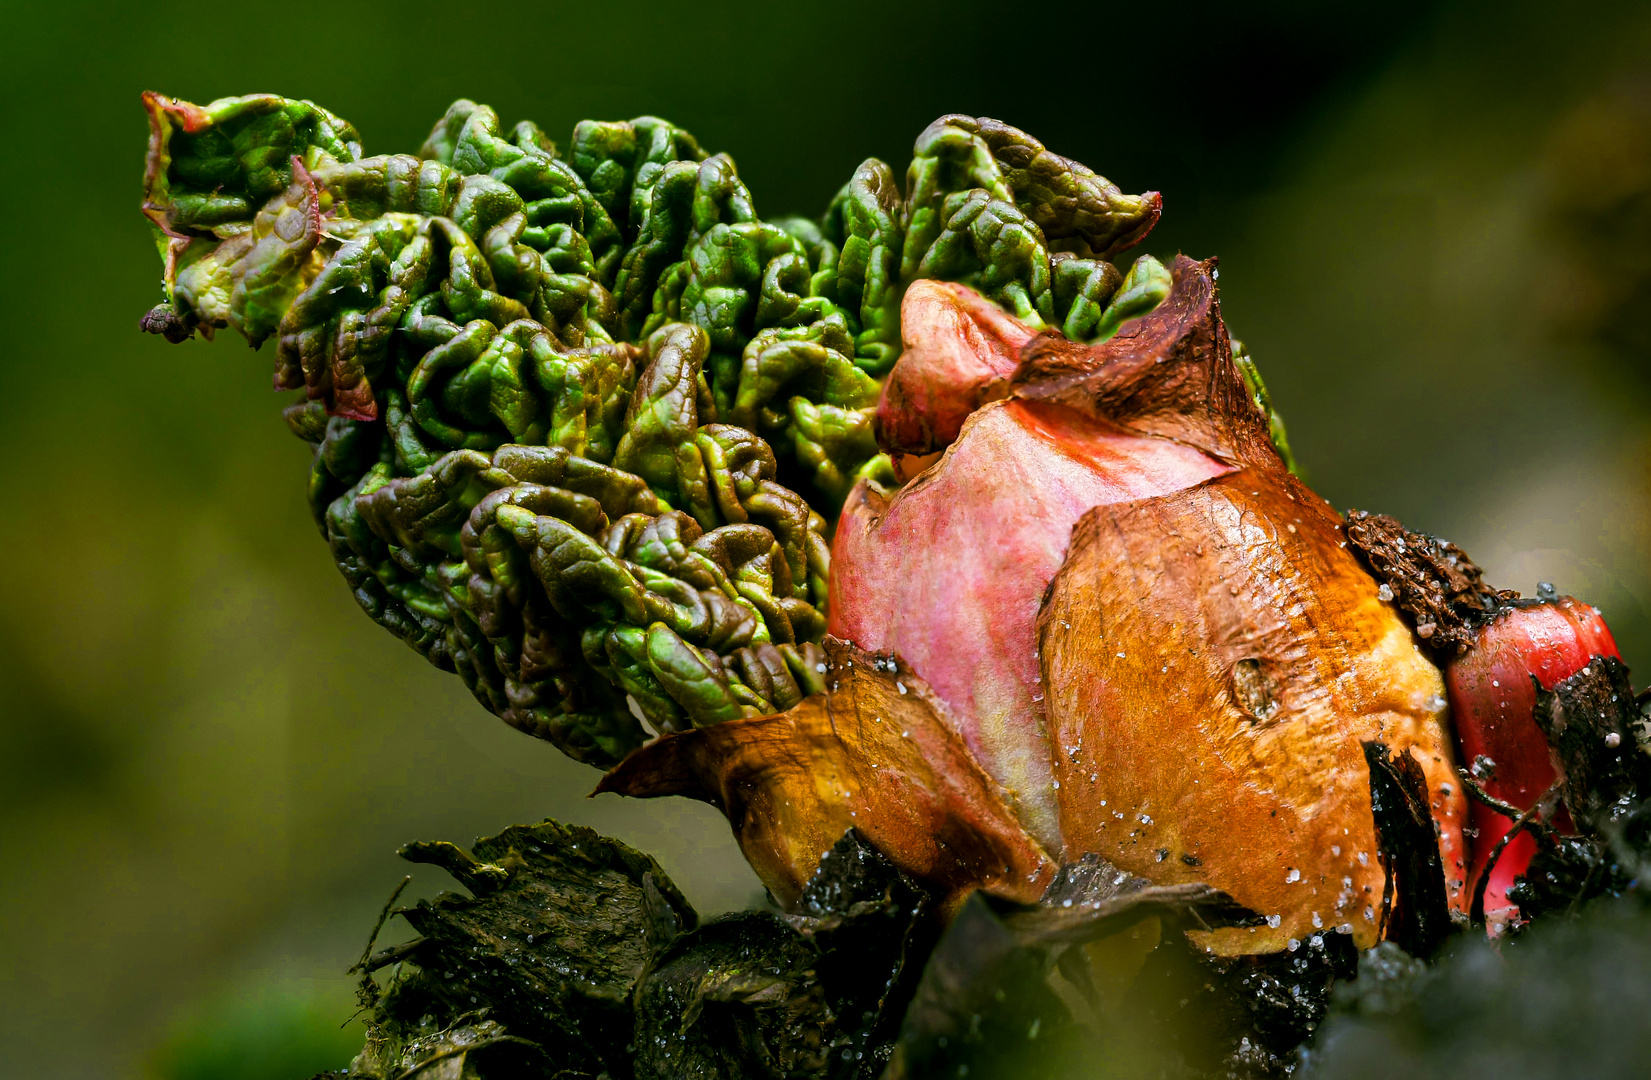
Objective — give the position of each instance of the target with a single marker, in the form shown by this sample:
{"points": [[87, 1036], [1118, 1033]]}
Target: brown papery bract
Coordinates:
{"points": [[1214, 661], [876, 753]]}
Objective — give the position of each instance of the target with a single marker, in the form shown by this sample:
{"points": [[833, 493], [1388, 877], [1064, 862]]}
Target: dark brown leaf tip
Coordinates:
{"points": [[878, 753], [163, 319], [1169, 373], [1436, 586]]}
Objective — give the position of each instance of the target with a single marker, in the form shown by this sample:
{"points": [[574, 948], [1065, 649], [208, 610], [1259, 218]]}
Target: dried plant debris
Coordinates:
{"points": [[1591, 724], [560, 925], [1431, 580], [736, 998], [1414, 910], [819, 993], [1591, 721], [576, 956]]}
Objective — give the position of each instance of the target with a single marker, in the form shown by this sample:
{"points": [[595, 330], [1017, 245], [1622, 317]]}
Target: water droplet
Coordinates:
{"points": [[1293, 876], [1385, 593]]}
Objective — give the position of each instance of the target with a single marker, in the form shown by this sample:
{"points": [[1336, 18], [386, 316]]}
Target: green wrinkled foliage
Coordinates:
{"points": [[217, 165], [552, 393]]}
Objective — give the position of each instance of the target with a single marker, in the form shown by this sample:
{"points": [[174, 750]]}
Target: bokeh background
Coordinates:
{"points": [[1435, 226]]}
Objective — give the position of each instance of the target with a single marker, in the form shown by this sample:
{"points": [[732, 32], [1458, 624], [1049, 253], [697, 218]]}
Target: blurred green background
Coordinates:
{"points": [[1435, 225]]}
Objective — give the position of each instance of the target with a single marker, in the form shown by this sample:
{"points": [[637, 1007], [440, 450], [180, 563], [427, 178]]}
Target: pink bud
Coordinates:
{"points": [[1492, 700]]}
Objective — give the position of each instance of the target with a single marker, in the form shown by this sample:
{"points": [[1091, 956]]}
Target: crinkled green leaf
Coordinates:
{"points": [[552, 396], [1141, 290], [987, 243], [1076, 209], [866, 222], [211, 167]]}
